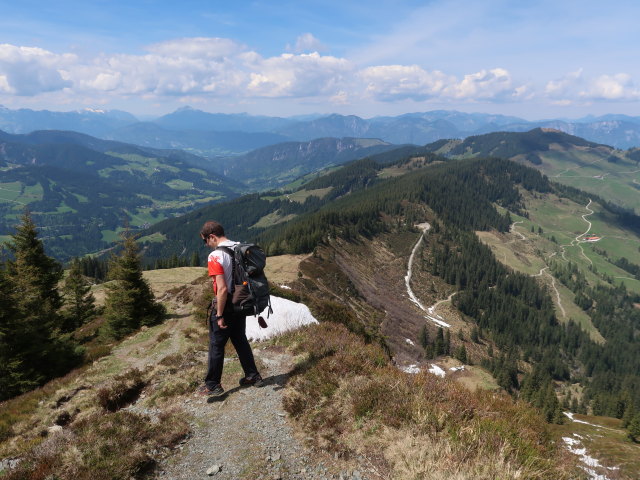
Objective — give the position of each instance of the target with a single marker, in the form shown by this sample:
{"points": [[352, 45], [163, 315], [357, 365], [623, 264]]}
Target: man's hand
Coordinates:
{"points": [[221, 323]]}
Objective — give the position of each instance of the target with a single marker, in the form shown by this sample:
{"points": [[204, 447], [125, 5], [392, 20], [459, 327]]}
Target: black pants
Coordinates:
{"points": [[218, 337]]}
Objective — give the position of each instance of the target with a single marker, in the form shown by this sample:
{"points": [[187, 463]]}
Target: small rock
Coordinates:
{"points": [[214, 469], [276, 457], [54, 429]]}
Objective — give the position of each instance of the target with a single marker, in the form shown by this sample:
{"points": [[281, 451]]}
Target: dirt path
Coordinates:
{"points": [[430, 314], [247, 435]]}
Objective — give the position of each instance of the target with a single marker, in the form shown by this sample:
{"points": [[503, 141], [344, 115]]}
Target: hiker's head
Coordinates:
{"points": [[211, 228]]}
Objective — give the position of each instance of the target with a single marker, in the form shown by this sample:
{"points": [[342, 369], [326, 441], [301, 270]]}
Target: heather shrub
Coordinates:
{"points": [[122, 391], [99, 447]]}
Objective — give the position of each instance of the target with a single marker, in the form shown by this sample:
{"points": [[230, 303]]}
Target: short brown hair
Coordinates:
{"points": [[212, 228]]}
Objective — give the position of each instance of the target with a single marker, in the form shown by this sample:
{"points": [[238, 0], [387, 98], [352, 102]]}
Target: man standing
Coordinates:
{"points": [[224, 323]]}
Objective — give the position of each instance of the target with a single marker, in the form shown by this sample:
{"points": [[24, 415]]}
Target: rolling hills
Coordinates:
{"points": [[82, 190]]}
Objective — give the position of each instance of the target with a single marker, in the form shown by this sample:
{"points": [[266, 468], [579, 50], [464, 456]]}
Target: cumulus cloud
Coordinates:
{"points": [[297, 75], [492, 84], [307, 43], [613, 87], [575, 88], [201, 69], [29, 71], [399, 82]]}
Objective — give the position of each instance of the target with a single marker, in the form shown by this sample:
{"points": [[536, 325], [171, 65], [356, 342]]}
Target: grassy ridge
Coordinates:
{"points": [[349, 399]]}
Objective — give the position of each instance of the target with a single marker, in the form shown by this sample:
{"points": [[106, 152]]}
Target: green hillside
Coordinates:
{"points": [[612, 174], [81, 194]]}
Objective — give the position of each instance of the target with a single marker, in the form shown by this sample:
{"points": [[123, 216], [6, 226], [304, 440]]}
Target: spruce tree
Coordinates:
{"points": [[36, 350], [424, 337], [634, 428], [129, 303], [80, 302], [10, 371]]}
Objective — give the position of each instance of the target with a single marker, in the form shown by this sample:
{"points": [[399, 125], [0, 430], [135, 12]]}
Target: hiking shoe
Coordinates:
{"points": [[256, 381], [216, 391]]}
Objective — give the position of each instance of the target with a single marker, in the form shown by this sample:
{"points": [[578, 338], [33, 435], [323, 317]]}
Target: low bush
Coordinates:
{"points": [[99, 447], [122, 391]]}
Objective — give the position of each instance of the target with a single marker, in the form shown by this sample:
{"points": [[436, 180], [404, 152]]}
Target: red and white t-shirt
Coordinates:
{"points": [[220, 263]]}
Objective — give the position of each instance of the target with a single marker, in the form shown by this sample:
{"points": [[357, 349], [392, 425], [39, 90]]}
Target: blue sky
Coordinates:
{"points": [[537, 59]]}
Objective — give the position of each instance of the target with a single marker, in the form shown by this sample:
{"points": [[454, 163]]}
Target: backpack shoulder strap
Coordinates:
{"points": [[230, 251]]}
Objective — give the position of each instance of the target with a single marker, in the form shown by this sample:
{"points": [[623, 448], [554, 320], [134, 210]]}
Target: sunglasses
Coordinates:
{"points": [[205, 239]]}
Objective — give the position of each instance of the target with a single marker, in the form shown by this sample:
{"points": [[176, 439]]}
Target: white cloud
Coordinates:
{"points": [[613, 87], [197, 47], [576, 88], [297, 75], [307, 43], [28, 71], [205, 69], [397, 82], [492, 84]]}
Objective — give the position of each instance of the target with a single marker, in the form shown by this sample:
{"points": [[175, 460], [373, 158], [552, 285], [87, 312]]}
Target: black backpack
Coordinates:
{"points": [[250, 290]]}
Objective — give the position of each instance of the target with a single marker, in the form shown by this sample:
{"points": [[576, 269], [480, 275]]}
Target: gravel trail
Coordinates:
{"points": [[247, 435]]}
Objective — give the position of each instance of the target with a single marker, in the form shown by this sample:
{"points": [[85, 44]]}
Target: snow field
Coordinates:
{"points": [[287, 315]]}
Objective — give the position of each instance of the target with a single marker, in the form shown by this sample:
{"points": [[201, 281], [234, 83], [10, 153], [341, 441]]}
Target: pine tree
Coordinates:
{"points": [[475, 335], [195, 259], [447, 342], [36, 351], [129, 303], [461, 354], [424, 337], [634, 428], [80, 302], [10, 363]]}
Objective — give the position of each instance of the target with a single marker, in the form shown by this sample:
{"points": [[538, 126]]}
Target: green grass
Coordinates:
{"points": [[19, 194], [301, 195], [153, 238], [178, 184], [111, 236]]}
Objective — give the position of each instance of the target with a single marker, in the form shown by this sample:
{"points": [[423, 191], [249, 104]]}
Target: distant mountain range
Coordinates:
{"points": [[213, 134]]}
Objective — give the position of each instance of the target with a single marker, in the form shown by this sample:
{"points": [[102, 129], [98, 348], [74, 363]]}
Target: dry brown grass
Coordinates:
{"points": [[347, 397]]}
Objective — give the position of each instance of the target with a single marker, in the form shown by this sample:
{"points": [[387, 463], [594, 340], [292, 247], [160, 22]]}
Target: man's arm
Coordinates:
{"points": [[221, 298]]}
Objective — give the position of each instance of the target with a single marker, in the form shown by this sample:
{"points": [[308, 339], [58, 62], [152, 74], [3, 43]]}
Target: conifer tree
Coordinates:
{"points": [[130, 302], [9, 361], [80, 302], [195, 259], [461, 353], [31, 323], [634, 428], [424, 337]]}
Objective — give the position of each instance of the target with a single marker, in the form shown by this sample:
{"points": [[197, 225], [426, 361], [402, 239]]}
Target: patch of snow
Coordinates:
{"points": [[287, 315], [286, 287], [438, 322], [409, 341], [587, 460], [570, 415], [436, 370], [413, 368], [457, 369]]}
